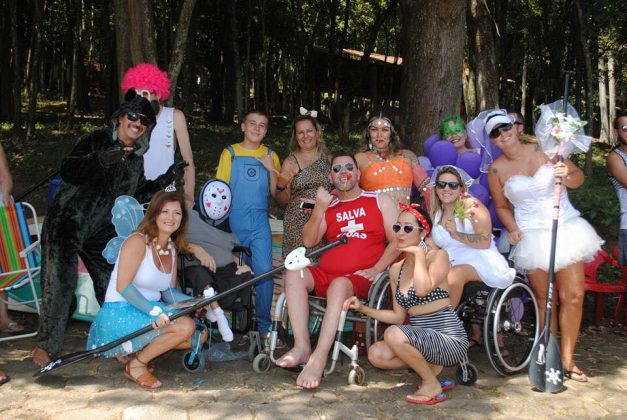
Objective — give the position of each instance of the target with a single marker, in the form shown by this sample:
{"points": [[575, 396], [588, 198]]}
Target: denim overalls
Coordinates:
{"points": [[250, 186]]}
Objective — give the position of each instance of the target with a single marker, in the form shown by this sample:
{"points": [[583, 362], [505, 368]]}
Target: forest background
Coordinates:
{"points": [[421, 60]]}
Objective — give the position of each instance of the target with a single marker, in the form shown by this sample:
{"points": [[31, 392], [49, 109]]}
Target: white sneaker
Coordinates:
{"points": [[223, 325]]}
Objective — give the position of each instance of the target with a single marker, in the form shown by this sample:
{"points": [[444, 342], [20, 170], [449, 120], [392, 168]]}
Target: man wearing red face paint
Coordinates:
{"points": [[344, 271]]}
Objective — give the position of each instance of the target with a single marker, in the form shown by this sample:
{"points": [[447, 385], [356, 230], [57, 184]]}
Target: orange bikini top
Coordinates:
{"points": [[382, 175]]}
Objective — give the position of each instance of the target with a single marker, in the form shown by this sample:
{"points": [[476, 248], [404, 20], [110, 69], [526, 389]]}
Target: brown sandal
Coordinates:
{"points": [[146, 380]]}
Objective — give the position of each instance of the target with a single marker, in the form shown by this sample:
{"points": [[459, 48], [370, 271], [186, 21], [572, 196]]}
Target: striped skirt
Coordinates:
{"points": [[439, 336]]}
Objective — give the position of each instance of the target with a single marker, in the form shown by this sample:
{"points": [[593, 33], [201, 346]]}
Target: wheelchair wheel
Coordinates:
{"points": [[357, 376], [511, 328], [380, 297], [262, 363], [466, 374], [193, 363]]}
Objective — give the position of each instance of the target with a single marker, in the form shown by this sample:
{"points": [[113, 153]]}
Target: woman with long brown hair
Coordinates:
{"points": [[143, 282]]}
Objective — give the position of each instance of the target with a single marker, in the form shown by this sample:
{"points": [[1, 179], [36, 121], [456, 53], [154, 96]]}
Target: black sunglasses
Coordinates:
{"points": [[442, 184], [337, 168], [501, 129], [396, 227], [134, 116]]}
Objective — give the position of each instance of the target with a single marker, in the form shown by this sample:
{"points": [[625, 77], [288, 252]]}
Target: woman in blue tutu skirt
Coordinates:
{"points": [[143, 282]]}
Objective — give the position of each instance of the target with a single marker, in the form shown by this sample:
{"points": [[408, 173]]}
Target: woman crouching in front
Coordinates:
{"points": [[435, 337], [142, 283]]}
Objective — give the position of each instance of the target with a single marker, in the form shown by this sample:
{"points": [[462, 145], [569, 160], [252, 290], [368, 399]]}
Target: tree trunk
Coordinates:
{"points": [[589, 82], [523, 89], [75, 24], [264, 59], [17, 70], [141, 31], [123, 51], [605, 124], [237, 62], [481, 43], [469, 91], [433, 52], [33, 82], [134, 34], [611, 81], [180, 41], [5, 66]]}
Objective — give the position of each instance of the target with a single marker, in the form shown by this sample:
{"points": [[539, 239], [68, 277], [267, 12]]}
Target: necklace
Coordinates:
{"points": [[384, 167], [162, 251]]}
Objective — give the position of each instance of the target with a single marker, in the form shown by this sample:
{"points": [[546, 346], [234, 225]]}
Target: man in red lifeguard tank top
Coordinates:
{"points": [[344, 271]]}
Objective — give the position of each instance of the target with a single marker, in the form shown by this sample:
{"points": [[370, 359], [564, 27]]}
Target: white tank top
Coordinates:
{"points": [[160, 154], [149, 280]]}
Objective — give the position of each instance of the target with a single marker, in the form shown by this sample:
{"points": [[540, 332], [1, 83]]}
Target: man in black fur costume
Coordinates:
{"points": [[103, 165]]}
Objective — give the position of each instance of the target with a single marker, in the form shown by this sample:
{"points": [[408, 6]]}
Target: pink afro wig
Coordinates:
{"points": [[147, 76]]}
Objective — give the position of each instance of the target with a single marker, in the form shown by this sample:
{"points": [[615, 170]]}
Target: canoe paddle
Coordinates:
{"points": [[200, 303], [546, 372]]}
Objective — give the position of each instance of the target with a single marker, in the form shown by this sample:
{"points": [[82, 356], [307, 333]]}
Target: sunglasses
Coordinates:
{"points": [[453, 185], [134, 116], [337, 168], [144, 92], [498, 130], [396, 227], [624, 128]]}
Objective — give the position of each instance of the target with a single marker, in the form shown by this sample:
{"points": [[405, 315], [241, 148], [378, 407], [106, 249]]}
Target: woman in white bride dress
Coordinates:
{"points": [[522, 184]]}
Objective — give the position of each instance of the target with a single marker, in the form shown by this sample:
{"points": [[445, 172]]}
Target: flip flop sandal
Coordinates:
{"points": [[447, 384], [576, 376], [473, 342], [13, 328], [412, 399]]}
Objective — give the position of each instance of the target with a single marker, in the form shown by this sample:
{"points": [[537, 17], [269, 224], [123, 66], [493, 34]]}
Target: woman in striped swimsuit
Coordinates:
{"points": [[435, 337]]}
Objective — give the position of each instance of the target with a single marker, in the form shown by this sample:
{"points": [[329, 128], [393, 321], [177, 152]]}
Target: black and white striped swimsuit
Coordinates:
{"points": [[439, 336]]}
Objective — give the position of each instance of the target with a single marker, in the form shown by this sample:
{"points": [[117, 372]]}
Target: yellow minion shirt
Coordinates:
{"points": [[224, 165]]}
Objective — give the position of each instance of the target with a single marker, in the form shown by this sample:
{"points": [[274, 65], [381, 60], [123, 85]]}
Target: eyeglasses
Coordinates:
{"points": [[144, 92], [624, 128], [396, 227], [498, 130], [337, 168], [453, 185], [134, 116]]}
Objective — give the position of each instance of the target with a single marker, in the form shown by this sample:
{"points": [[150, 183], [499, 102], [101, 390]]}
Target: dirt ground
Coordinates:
{"points": [[96, 389]]}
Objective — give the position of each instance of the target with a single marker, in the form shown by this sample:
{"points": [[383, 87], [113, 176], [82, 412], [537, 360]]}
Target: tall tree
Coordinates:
{"points": [[483, 53], [432, 51], [33, 81], [180, 43]]}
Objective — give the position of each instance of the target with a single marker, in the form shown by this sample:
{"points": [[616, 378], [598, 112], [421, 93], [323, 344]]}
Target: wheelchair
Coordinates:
{"points": [[279, 328], [509, 321], [239, 305]]}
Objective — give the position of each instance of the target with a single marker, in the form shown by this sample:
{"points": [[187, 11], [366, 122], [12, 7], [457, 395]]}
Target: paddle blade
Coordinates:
{"points": [[545, 368]]}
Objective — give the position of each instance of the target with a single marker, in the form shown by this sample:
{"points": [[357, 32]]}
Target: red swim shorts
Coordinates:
{"points": [[323, 279]]}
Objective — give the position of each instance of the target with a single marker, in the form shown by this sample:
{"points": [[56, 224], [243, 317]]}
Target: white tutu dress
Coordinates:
{"points": [[491, 266], [532, 198]]}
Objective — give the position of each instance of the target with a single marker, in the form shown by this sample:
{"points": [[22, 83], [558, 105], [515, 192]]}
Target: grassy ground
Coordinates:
{"points": [[33, 160]]}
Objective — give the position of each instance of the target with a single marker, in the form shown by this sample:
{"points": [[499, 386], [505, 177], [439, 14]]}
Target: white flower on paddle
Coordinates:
{"points": [[565, 127], [561, 133]]}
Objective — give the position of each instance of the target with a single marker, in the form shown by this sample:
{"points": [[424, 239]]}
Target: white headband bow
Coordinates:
{"points": [[313, 113]]}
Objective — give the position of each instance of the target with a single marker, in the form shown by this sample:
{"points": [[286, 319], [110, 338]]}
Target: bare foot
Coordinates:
{"points": [[40, 357], [124, 359], [310, 377], [428, 390], [293, 358]]}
